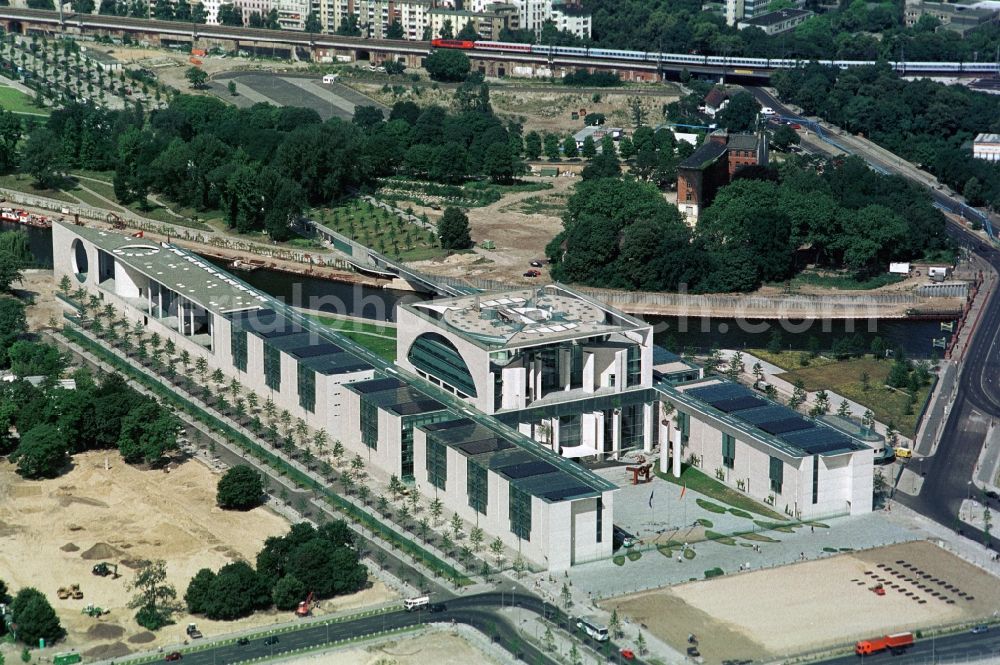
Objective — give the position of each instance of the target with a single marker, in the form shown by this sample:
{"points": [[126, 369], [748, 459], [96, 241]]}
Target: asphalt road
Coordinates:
{"points": [[959, 648], [478, 611], [948, 474]]}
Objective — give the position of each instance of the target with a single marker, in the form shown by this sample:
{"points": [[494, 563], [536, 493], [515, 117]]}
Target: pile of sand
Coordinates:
{"points": [[105, 631], [142, 638], [102, 551], [113, 650], [70, 547]]}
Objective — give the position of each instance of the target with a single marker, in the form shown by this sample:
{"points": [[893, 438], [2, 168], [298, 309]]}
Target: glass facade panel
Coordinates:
{"points": [[632, 426], [520, 512], [600, 519], [815, 478], [435, 355], [238, 344], [307, 388], [569, 431], [776, 473], [406, 438], [728, 450], [477, 486], [437, 463], [369, 423], [633, 367], [684, 425], [272, 367]]}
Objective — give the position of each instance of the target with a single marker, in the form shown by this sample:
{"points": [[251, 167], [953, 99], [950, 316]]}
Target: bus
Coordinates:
{"points": [[411, 604], [593, 629]]}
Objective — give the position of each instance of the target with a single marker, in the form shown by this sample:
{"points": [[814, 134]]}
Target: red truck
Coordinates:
{"points": [[896, 643]]}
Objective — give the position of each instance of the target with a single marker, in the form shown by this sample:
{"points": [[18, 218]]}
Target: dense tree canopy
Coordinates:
{"points": [[41, 452], [322, 561], [927, 122], [148, 432], [453, 229], [240, 488], [447, 65], [35, 618], [761, 228]]}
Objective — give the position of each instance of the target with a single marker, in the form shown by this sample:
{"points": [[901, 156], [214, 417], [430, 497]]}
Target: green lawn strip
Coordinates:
{"points": [[619, 560], [759, 537], [817, 524], [353, 325], [89, 199], [689, 553], [722, 538], [844, 378], [699, 482], [18, 102], [634, 555], [829, 549], [382, 346], [711, 507], [352, 511], [740, 513], [844, 282], [153, 211], [777, 526], [704, 522], [713, 572], [24, 183]]}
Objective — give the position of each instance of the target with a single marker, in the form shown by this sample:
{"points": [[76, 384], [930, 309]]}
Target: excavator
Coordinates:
{"points": [[305, 607], [104, 569]]}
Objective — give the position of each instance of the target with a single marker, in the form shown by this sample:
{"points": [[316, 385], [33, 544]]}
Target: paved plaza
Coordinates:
{"points": [[327, 99]]}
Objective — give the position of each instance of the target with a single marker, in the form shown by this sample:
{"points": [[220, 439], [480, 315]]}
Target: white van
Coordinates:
{"points": [[330, 78], [594, 630], [767, 110], [411, 604]]}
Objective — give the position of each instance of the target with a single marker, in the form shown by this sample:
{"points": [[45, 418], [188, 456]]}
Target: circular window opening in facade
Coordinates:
{"points": [[80, 263]]}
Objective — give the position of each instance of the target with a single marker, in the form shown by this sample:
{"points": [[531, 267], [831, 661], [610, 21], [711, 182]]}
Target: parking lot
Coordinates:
{"points": [[328, 99]]}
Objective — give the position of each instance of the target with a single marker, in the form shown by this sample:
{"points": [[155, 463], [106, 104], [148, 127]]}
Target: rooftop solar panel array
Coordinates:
{"points": [[785, 424]]}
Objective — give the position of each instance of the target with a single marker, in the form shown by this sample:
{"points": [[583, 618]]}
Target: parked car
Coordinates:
{"points": [[270, 641], [628, 654], [536, 264], [243, 641], [174, 655], [532, 273], [981, 628]]}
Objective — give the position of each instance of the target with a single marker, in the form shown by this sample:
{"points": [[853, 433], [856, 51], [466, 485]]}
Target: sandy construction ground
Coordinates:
{"points": [[520, 225], [793, 609], [52, 532], [437, 646]]}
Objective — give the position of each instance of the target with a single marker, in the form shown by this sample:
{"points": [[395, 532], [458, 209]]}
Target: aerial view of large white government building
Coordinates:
{"points": [[497, 403]]}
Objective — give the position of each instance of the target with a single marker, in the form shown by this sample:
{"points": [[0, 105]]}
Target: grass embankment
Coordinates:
{"points": [[16, 101], [697, 481], [845, 378], [843, 281]]}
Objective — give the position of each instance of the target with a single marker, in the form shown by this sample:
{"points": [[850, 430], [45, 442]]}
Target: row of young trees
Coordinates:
{"points": [[926, 122], [761, 228]]}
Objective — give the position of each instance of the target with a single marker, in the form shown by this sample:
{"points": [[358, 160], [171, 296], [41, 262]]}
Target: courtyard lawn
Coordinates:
{"points": [[18, 102], [844, 378], [787, 360]]}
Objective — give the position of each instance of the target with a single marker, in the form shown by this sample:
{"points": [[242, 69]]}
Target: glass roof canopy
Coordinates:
{"points": [[522, 467], [308, 347], [781, 427]]}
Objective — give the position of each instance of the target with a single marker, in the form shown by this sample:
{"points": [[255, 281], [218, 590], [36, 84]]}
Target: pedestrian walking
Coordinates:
{"points": [[812, 529]]}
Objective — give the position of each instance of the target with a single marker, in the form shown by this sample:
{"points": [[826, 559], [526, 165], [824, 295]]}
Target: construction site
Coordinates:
{"points": [[81, 537], [817, 605]]}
